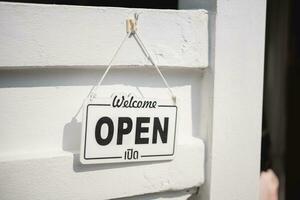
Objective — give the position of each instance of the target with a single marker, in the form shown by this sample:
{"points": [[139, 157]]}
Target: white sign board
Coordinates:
{"points": [[127, 129]]}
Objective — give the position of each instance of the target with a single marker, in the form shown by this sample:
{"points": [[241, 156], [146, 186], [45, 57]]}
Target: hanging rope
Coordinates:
{"points": [[149, 57], [93, 92], [131, 31]]}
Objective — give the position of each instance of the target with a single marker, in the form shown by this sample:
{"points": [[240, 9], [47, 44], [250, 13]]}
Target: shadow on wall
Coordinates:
{"points": [[137, 77], [71, 136], [62, 80]]}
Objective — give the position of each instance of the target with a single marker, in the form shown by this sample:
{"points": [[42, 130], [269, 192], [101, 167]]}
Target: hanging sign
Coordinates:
{"points": [[128, 129]]}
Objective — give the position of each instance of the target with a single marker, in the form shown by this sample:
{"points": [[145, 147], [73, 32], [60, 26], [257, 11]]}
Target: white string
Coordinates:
{"points": [[95, 88], [148, 55], [93, 92]]}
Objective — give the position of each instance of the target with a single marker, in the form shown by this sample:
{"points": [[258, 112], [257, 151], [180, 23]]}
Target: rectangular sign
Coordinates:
{"points": [[128, 129]]}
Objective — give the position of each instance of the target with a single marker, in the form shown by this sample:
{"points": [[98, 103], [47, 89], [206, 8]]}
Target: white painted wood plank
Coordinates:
{"points": [[185, 194], [237, 103], [234, 85], [33, 35], [40, 106], [61, 176], [40, 133]]}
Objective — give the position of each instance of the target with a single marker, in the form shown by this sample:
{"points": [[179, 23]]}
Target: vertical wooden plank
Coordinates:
{"points": [[237, 102]]}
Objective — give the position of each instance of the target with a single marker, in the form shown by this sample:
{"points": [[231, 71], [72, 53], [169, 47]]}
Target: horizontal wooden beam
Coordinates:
{"points": [[62, 176], [35, 35]]}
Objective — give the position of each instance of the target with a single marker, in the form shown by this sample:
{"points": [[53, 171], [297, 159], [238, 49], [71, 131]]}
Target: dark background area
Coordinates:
{"points": [[282, 94], [293, 106], [161, 4]]}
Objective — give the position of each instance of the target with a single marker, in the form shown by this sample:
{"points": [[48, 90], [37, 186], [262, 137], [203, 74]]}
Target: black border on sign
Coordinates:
{"points": [[117, 157]]}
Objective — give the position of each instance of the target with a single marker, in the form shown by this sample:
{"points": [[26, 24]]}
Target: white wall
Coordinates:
{"points": [[221, 100], [50, 63]]}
